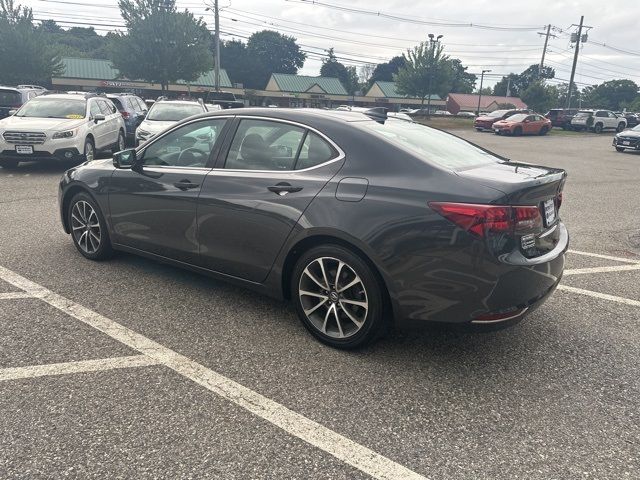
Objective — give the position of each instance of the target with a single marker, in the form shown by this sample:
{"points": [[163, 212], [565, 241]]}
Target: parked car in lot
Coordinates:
{"points": [[466, 114], [304, 204], [12, 98], [632, 119], [523, 124], [165, 113], [598, 121], [561, 117], [627, 139], [485, 122], [133, 110], [61, 127]]}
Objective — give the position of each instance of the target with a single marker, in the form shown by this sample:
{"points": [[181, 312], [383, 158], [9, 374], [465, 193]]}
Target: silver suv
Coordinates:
{"points": [[12, 98]]}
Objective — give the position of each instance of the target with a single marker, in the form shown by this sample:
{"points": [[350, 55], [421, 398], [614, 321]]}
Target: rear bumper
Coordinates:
{"points": [[469, 283], [60, 155]]}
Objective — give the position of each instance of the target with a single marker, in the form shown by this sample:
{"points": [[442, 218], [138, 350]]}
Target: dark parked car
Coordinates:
{"points": [[561, 117], [485, 122], [12, 98], [627, 139], [359, 219], [633, 119], [133, 110]]}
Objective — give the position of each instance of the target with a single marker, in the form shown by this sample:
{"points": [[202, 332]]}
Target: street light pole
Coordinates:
{"points": [[432, 45], [480, 91]]}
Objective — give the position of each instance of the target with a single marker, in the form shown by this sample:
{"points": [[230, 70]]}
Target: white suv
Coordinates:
{"points": [[598, 120], [164, 113], [61, 127]]}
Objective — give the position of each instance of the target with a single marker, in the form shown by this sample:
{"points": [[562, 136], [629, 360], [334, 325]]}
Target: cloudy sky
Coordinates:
{"points": [[503, 37]]}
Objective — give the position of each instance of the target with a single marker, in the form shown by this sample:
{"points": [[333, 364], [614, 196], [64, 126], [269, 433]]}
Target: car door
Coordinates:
{"points": [[112, 128], [153, 207], [528, 125], [268, 174], [98, 127]]}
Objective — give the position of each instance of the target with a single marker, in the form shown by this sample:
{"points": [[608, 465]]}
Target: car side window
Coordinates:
{"points": [[612, 115], [188, 146], [104, 108], [264, 145], [315, 151], [94, 109], [601, 114]]}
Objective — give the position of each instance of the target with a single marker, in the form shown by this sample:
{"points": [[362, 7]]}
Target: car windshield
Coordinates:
{"points": [[432, 145], [636, 128], [497, 113], [517, 117], [53, 108], [173, 112], [10, 98]]}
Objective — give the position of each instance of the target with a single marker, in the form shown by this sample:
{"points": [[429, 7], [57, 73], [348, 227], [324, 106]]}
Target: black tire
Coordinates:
{"points": [[619, 149], [544, 131], [368, 290], [621, 127], [120, 144], [478, 129], [88, 144], [103, 250], [517, 131], [597, 128], [9, 163]]}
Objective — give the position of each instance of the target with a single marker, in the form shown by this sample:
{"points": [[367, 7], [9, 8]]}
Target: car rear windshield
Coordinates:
{"points": [[432, 145], [10, 98], [168, 112], [53, 108], [584, 114], [518, 117], [497, 113]]}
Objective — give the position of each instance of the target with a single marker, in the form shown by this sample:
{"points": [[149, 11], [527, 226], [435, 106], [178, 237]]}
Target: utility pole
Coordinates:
{"points": [[544, 50], [217, 43], [432, 53], [480, 91], [575, 62]]}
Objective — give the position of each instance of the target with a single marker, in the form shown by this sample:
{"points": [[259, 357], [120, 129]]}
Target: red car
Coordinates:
{"points": [[485, 122], [523, 124]]}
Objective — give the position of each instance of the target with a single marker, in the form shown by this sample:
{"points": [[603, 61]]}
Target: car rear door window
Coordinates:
{"points": [[265, 145], [188, 146], [315, 151]]}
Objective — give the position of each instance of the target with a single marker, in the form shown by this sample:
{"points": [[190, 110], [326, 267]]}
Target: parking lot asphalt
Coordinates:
{"points": [[132, 369]]}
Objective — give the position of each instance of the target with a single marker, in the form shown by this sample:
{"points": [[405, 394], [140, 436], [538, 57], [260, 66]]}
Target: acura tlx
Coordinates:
{"points": [[363, 221]]}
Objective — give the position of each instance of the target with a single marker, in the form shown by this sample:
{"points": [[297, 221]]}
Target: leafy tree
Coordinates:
{"points": [[161, 45], [75, 41], [519, 82], [614, 94], [234, 58], [484, 91], [348, 76], [271, 52], [384, 72], [540, 97], [635, 105], [426, 71], [563, 91], [510, 81], [461, 80], [505, 106], [25, 56]]}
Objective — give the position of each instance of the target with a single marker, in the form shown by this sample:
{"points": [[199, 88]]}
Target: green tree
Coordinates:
{"points": [[348, 76], [25, 55], [563, 91], [540, 97], [271, 52], [162, 45], [461, 80], [519, 82], [614, 94], [384, 72], [426, 71], [234, 58]]}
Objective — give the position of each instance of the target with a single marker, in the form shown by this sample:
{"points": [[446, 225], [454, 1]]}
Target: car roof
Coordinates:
{"points": [[65, 96], [2, 87], [299, 114], [184, 102]]}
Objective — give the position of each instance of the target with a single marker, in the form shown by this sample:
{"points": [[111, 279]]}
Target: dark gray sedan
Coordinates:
{"points": [[362, 221]]}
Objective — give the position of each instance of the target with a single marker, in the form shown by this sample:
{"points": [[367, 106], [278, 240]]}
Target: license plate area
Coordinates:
{"points": [[24, 149], [549, 207]]}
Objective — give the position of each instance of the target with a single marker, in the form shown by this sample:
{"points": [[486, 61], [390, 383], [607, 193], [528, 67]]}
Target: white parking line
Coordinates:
{"points": [[615, 268], [606, 257], [603, 296], [14, 295], [344, 449], [96, 365]]}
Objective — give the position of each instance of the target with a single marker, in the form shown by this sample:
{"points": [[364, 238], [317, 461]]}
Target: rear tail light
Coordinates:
{"points": [[482, 220], [124, 114]]}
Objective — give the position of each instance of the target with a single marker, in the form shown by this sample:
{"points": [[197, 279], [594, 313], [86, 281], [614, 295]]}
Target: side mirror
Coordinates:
{"points": [[99, 118], [125, 159], [13, 112]]}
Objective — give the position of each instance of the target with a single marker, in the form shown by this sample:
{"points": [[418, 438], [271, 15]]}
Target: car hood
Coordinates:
{"points": [[154, 127], [32, 123], [629, 133]]}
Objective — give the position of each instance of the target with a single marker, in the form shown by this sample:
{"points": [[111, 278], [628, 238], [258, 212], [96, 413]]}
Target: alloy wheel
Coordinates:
{"points": [[85, 227], [333, 297]]}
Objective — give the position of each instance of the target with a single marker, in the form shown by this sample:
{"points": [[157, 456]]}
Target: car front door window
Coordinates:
{"points": [[188, 146]]}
